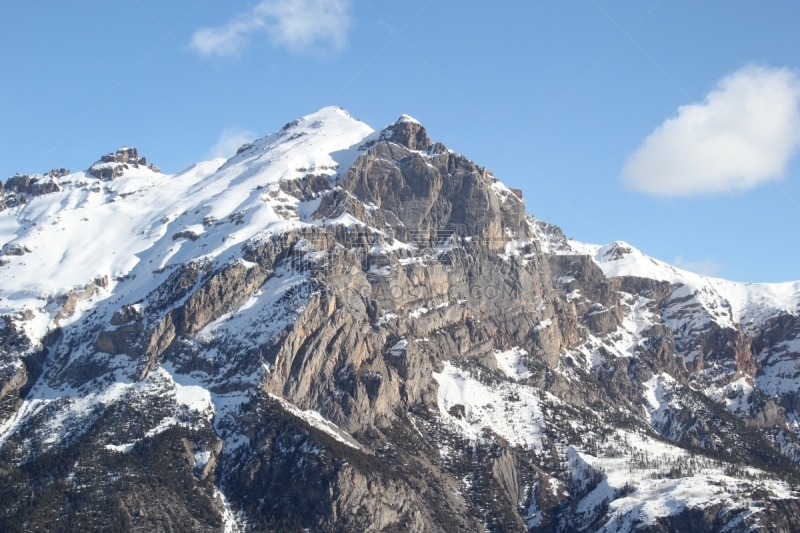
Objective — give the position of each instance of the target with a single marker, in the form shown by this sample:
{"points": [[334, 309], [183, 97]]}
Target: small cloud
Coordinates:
{"points": [[706, 267], [296, 24], [742, 135], [229, 141]]}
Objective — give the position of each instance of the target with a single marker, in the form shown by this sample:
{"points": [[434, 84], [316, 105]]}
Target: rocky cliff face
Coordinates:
{"points": [[347, 330]]}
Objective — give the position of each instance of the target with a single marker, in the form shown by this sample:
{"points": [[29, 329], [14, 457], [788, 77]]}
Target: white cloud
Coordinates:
{"points": [[229, 141], [296, 24], [742, 135], [706, 267]]}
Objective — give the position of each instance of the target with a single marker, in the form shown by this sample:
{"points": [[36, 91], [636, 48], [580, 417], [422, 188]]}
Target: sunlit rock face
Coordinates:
{"points": [[343, 329]]}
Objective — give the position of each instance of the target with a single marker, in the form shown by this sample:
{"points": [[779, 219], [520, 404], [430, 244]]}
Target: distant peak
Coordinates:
{"points": [[114, 164], [331, 109], [30, 184], [321, 115], [616, 250], [123, 155]]}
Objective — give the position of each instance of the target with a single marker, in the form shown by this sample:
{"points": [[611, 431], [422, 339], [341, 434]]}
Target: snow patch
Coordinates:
{"points": [[317, 421], [509, 410], [512, 364]]}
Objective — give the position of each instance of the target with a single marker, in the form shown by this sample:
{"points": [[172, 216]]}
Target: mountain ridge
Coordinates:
{"points": [[378, 317]]}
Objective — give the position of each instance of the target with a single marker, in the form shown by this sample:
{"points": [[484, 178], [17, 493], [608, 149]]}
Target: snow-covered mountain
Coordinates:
{"points": [[343, 329], [700, 305]]}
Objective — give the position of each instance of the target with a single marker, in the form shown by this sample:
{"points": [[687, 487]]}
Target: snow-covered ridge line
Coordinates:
{"points": [[247, 276], [144, 221], [745, 304]]}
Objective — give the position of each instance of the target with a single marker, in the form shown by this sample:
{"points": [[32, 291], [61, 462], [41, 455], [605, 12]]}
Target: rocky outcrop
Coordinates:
{"points": [[113, 165], [215, 294], [124, 155], [69, 302], [346, 490], [15, 249], [307, 188], [598, 300], [14, 379], [20, 185], [431, 194], [223, 292], [409, 133]]}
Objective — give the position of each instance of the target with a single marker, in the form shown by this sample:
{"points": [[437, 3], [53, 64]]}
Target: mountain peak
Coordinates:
{"points": [[334, 305], [616, 250], [407, 118], [114, 164], [308, 142], [407, 132], [329, 115]]}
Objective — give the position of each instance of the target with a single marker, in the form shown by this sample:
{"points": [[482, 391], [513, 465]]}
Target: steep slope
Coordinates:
{"points": [[340, 329], [735, 339]]}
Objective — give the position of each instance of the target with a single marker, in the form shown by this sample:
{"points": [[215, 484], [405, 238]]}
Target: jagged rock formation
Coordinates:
{"points": [[346, 330], [113, 165], [19, 187]]}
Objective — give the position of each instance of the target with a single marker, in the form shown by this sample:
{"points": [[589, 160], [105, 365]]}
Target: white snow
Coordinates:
{"points": [[399, 349], [317, 421], [658, 393], [726, 302], [509, 410], [121, 448], [511, 363], [416, 313], [201, 458], [735, 395], [637, 318], [229, 519], [194, 397], [407, 118], [644, 467], [28, 408], [107, 228], [502, 192], [385, 318]]}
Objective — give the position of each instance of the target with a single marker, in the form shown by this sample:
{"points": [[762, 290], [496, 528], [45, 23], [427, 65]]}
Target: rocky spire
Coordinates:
{"points": [[113, 165], [425, 187], [407, 132]]}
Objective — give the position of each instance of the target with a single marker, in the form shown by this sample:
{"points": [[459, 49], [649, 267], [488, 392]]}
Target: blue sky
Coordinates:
{"points": [[554, 98]]}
